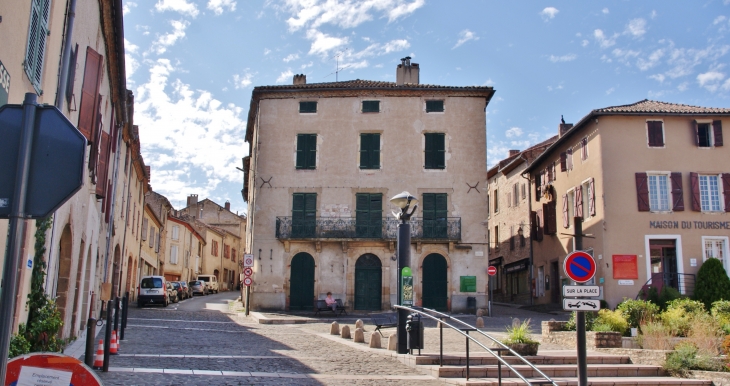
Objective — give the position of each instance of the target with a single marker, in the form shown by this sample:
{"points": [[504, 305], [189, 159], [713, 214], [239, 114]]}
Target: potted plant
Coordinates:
{"points": [[519, 340]]}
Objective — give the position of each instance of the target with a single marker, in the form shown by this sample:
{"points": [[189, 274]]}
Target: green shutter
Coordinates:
{"points": [[369, 215], [370, 106], [307, 107], [435, 151], [369, 151], [304, 212], [428, 206], [435, 213], [311, 151], [306, 151], [434, 106], [37, 33], [297, 211]]}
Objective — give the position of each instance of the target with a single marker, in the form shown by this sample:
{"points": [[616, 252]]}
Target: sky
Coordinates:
{"points": [[192, 65]]}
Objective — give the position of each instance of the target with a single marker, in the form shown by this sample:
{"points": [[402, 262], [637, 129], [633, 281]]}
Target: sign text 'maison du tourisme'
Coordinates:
{"points": [[689, 224]]}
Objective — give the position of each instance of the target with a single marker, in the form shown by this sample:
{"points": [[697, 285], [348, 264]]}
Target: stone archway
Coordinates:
{"points": [[368, 283], [64, 271]]}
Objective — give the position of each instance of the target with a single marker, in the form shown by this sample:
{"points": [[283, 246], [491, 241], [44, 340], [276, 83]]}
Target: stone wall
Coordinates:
{"points": [[552, 333], [639, 356]]}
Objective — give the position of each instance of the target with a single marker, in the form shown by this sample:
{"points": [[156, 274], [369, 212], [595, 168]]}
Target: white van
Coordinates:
{"points": [[211, 281]]}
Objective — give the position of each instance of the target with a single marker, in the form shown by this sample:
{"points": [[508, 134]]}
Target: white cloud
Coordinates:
{"points": [[719, 19], [291, 57], [658, 77], [549, 13], [624, 56], [377, 49], [683, 60], [610, 90], [563, 58], [710, 80], [130, 62], [514, 132], [345, 13], [181, 6], [683, 86], [653, 14], [603, 40], [244, 80], [322, 43], [605, 11], [127, 7], [310, 64], [653, 60], [465, 36], [266, 51], [584, 43], [726, 85], [218, 6], [178, 32], [636, 27], [489, 82], [285, 76]]}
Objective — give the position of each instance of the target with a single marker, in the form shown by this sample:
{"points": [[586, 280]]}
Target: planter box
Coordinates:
{"points": [[524, 349], [551, 333]]}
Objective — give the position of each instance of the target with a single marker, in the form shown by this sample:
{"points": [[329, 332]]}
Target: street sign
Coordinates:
{"points": [[56, 165], [49, 369], [247, 281], [492, 270], [248, 271], [581, 290], [579, 266], [248, 260], [581, 305]]}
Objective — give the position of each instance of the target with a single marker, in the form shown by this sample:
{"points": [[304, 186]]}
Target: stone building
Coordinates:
{"points": [[509, 233], [650, 183], [325, 159], [184, 249]]}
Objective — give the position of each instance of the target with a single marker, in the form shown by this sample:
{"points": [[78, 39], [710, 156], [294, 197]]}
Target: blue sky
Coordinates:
{"points": [[192, 65]]}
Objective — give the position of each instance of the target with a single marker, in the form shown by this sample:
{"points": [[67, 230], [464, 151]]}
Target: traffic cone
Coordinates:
{"points": [[113, 345], [99, 357]]}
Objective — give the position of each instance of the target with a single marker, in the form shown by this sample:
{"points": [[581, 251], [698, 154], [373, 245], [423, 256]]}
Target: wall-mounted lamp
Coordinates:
{"points": [[259, 254]]}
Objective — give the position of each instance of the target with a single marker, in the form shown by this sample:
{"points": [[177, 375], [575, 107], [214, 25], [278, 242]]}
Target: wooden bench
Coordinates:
{"points": [[321, 305], [384, 320]]}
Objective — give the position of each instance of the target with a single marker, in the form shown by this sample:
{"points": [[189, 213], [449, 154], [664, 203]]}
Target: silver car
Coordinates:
{"points": [[198, 287]]}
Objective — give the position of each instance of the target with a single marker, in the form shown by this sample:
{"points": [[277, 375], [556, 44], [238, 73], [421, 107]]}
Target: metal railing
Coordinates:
{"points": [[682, 282], [440, 319], [447, 229]]}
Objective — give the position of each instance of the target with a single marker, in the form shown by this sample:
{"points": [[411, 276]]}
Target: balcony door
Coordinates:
{"points": [[369, 215], [434, 284], [435, 213], [304, 215], [368, 283], [301, 282]]}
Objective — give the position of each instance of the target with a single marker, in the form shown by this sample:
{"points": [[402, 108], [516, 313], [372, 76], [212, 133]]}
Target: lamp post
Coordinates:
{"points": [[403, 201]]}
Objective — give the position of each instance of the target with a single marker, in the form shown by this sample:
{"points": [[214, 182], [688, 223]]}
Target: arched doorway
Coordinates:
{"points": [[368, 283], [301, 282], [434, 284], [64, 271]]}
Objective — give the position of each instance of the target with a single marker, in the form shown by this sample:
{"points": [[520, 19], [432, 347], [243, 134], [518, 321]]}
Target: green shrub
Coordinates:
{"points": [[590, 318], [655, 336], [688, 305], [519, 333], [602, 327], [19, 345], [687, 357], [637, 311], [721, 311], [680, 315], [712, 283], [667, 295], [614, 320]]}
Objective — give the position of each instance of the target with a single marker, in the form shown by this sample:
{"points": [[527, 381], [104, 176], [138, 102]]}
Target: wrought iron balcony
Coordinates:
{"points": [[348, 228]]}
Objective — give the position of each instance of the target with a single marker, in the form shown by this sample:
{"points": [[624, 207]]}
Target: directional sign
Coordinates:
{"points": [[492, 270], [248, 271], [56, 164], [248, 260], [247, 281], [581, 290], [579, 266], [581, 305]]}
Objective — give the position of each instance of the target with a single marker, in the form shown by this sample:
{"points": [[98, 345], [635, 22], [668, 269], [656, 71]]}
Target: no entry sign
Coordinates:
{"points": [[579, 266], [492, 270]]}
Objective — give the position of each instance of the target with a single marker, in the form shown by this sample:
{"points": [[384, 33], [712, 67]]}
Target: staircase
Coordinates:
{"points": [[561, 366]]}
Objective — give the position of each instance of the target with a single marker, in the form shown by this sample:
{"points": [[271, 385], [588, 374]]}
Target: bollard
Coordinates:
{"points": [[116, 314], [107, 335], [125, 303], [90, 337]]}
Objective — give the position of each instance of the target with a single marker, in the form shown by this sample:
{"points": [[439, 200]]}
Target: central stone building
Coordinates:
{"points": [[326, 158]]}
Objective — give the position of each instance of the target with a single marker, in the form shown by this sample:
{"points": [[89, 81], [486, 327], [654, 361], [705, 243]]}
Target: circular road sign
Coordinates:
{"points": [[248, 271], [492, 270], [247, 281], [579, 266], [33, 369], [248, 261]]}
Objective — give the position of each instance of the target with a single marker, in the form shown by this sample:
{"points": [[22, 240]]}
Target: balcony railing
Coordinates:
{"points": [[347, 228]]}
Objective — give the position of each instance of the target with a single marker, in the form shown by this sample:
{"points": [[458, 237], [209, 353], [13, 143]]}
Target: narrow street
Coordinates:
{"points": [[197, 342]]}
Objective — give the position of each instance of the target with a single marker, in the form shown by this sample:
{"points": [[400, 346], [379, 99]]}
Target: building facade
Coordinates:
{"points": [[324, 161], [184, 248], [650, 184]]}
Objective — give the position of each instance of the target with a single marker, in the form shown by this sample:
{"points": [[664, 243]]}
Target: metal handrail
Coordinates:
{"points": [[498, 357]]}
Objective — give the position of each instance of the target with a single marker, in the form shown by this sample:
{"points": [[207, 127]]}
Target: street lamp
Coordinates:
{"points": [[403, 201]]}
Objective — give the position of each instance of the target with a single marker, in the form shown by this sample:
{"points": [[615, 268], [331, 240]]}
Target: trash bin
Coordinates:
{"points": [[414, 329], [471, 304]]}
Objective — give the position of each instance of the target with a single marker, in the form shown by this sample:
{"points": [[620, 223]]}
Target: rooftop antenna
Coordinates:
{"points": [[337, 65]]}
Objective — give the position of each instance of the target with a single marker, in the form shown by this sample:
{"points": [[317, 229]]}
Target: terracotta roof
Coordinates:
{"points": [[360, 83], [656, 107]]}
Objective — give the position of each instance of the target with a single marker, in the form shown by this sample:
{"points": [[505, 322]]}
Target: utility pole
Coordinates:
{"points": [[580, 320]]}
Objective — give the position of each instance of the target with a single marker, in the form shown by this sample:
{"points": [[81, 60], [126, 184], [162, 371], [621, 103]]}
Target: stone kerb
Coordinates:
{"points": [[552, 333]]}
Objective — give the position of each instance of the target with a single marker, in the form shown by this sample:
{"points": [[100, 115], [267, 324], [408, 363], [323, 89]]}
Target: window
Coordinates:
{"points": [[715, 248], [370, 106], [308, 107], [496, 237], [584, 149], [653, 193], [655, 133], [524, 191], [173, 254], [509, 199], [488, 208], [306, 151], [435, 151], [369, 215], [516, 194], [434, 106], [233, 254], [704, 135], [496, 202], [658, 192], [521, 234], [37, 35], [709, 193], [304, 212], [175, 232], [226, 251], [586, 202], [214, 248], [435, 211], [369, 151]]}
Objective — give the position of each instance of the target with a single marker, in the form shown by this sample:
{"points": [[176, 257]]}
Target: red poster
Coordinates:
{"points": [[625, 267]]}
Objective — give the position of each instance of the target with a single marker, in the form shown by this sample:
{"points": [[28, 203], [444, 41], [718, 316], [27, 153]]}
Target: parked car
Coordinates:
{"points": [[178, 291], [186, 290], [153, 290], [198, 287], [211, 281], [171, 293]]}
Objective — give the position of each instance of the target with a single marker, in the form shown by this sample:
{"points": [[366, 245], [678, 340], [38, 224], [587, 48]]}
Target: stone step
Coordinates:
{"points": [[592, 381], [482, 358], [492, 371]]}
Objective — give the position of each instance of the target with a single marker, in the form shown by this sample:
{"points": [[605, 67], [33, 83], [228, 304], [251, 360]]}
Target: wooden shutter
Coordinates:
{"points": [[696, 133], [642, 192], [569, 161], [301, 151], [157, 240], [311, 151], [376, 211], [362, 214], [365, 151], [654, 133], [717, 130], [435, 151], [563, 161], [95, 145], [144, 228], [591, 198], [429, 208], [441, 209], [726, 190], [579, 201], [566, 219], [37, 35], [677, 193], [551, 221], [694, 182], [90, 93], [103, 165]]}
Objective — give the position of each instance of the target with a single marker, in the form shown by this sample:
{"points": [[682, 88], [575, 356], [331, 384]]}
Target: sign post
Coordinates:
{"points": [[248, 271], [492, 270]]}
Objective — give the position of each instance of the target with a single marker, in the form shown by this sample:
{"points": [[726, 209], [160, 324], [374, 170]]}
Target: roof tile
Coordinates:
{"points": [[360, 83], [649, 106]]}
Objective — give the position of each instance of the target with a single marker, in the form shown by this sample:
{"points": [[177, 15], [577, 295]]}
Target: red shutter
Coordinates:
{"points": [[95, 146], [726, 190], [566, 220], [90, 93], [103, 165], [563, 161], [550, 217], [656, 137], [677, 193], [696, 133], [591, 198], [694, 182], [579, 201], [642, 192], [717, 129], [539, 224]]}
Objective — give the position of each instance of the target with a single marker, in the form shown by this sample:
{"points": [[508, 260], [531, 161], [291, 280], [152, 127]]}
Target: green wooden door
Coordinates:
{"points": [[368, 283], [369, 215], [435, 213], [304, 215], [434, 284], [301, 284]]}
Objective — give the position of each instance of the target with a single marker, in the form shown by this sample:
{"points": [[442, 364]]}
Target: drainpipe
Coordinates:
{"points": [[529, 211]]}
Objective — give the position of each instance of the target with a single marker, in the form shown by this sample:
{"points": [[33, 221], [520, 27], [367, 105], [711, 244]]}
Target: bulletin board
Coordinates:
{"points": [[468, 284], [625, 267]]}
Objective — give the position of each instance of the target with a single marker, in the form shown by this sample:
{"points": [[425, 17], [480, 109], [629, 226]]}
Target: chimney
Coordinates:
{"points": [[228, 206], [300, 79], [407, 72], [564, 127], [192, 200], [513, 152]]}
